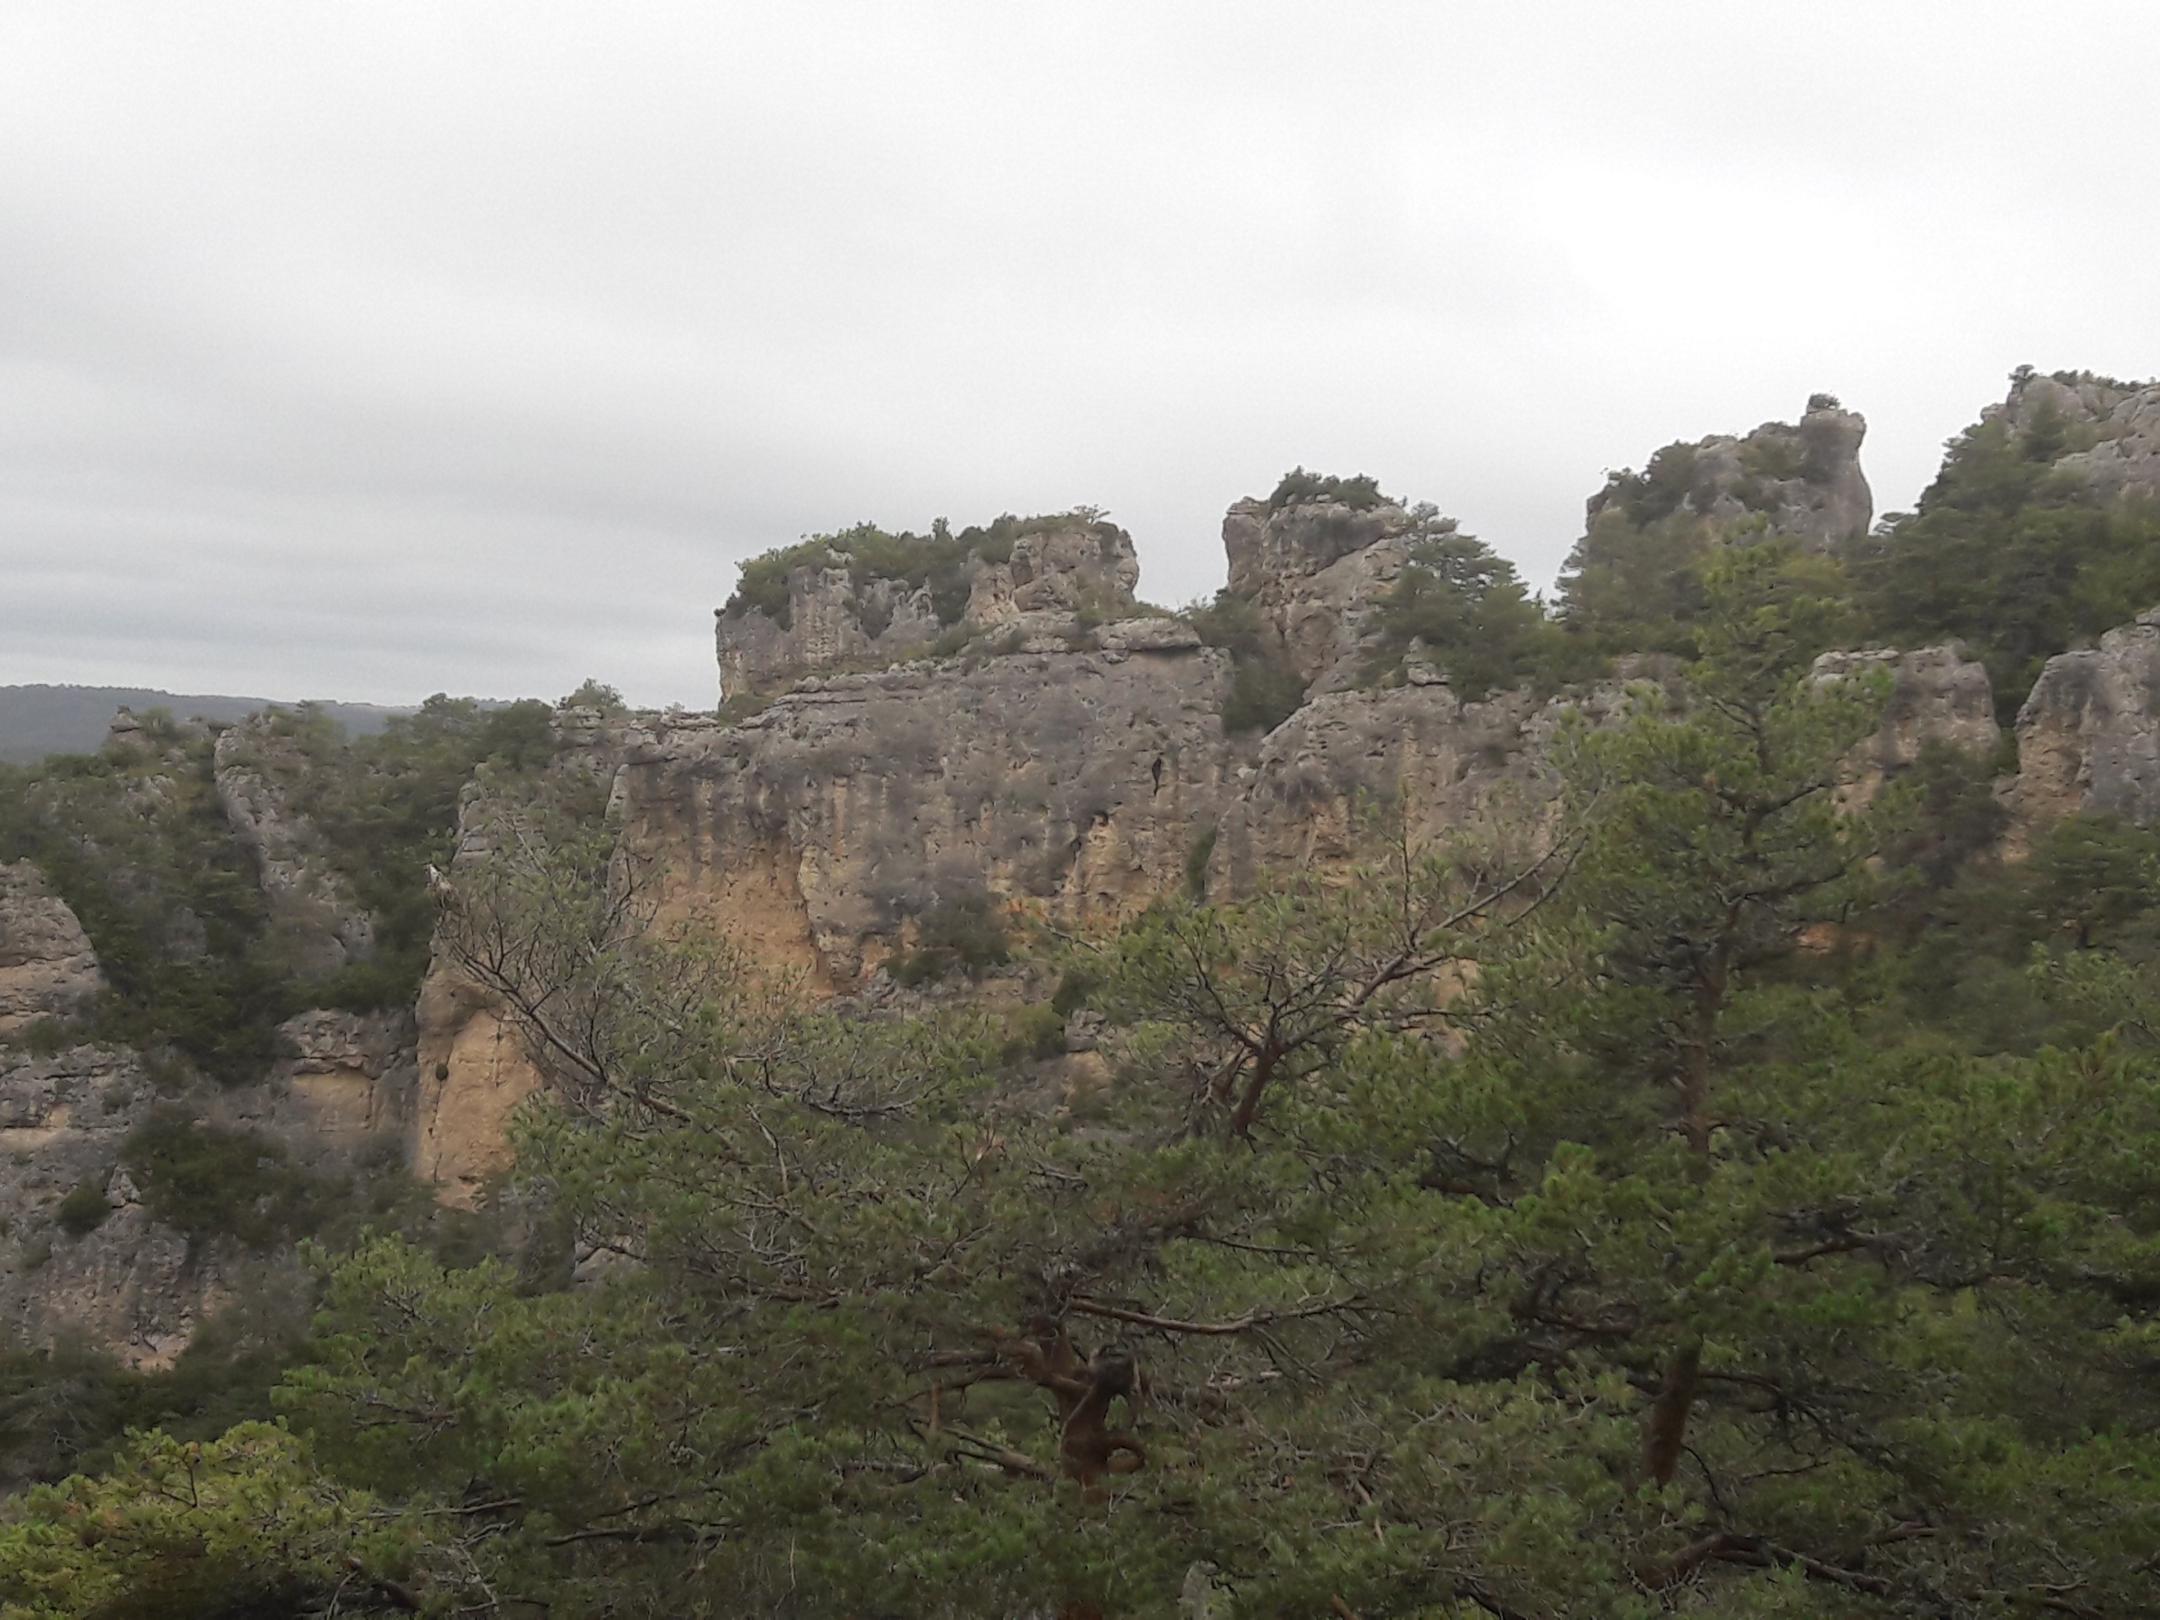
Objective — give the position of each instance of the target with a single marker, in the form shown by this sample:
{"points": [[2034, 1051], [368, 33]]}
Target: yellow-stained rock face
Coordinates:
{"points": [[1073, 782], [474, 1071]]}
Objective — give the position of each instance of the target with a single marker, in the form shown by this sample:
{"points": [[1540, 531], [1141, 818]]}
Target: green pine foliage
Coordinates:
{"points": [[1264, 690], [2017, 559], [1477, 624]]}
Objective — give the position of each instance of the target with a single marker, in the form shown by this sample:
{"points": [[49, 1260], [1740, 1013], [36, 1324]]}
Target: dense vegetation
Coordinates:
{"points": [[137, 845], [1462, 604], [1655, 1224], [1264, 690], [2011, 556], [135, 841]]}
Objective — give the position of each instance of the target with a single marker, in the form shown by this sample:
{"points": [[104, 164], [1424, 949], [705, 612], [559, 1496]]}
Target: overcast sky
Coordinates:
{"points": [[366, 350]]}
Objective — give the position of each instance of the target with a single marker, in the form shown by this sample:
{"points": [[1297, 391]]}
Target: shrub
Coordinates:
{"points": [[964, 934], [208, 1181], [1298, 487], [45, 1037], [1264, 690], [592, 693], [1263, 694], [84, 1209], [1196, 864], [1074, 987], [1036, 1032]]}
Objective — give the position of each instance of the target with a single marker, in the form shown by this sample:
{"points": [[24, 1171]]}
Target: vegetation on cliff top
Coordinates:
{"points": [[942, 561]]}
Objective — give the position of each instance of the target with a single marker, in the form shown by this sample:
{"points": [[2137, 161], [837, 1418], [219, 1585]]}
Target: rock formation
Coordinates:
{"points": [[341, 1087], [1937, 695], [47, 968], [1801, 480], [867, 598], [1067, 776], [2089, 735], [1315, 561], [2109, 430], [318, 918], [127, 1282]]}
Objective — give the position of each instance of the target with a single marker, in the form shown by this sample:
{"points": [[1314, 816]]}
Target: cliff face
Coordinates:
{"points": [[843, 606], [1067, 777], [2089, 736], [1801, 480], [1315, 569], [128, 1283], [1937, 695], [318, 919], [47, 968], [2109, 431]]}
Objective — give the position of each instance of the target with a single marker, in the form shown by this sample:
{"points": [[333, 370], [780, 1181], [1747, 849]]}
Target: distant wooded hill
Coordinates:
{"points": [[40, 720]]}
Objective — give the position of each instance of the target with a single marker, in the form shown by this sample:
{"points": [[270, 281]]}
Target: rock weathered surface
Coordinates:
{"points": [[2089, 735], [1937, 695], [1352, 765], [128, 1284], [472, 1067], [1785, 479], [341, 1086], [1068, 778], [1068, 569], [840, 615], [317, 917], [47, 967], [2110, 430], [829, 624], [1316, 569]]}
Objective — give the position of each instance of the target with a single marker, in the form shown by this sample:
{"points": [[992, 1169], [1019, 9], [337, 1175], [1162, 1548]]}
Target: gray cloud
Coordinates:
{"points": [[370, 350]]}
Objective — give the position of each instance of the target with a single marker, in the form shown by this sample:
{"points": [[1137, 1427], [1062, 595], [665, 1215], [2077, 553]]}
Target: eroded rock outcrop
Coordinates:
{"points": [[2108, 431], [1068, 777], [865, 598], [1070, 568], [47, 967], [101, 1267], [341, 1086], [1315, 565], [1937, 695], [1351, 766], [1785, 479], [472, 1067], [2089, 735], [318, 919]]}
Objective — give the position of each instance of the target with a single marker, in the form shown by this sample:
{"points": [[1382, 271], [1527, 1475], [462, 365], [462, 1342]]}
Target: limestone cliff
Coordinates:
{"points": [[1071, 777], [316, 915], [47, 968], [2089, 735], [1937, 695], [126, 1282], [866, 597], [1801, 480], [1351, 764], [2105, 433], [1315, 558]]}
